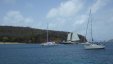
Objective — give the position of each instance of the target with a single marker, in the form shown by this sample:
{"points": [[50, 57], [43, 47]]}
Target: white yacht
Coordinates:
{"points": [[94, 46], [91, 45]]}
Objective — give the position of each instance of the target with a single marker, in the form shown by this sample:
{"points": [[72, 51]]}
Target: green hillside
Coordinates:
{"points": [[31, 35]]}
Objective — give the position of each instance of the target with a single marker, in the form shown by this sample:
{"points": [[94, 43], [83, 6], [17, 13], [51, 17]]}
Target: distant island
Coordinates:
{"points": [[32, 35]]}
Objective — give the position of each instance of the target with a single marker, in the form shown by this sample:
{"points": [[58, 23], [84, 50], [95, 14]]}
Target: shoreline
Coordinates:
{"points": [[11, 43]]}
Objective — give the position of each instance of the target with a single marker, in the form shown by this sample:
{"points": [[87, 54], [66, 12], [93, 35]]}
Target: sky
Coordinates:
{"points": [[60, 15]]}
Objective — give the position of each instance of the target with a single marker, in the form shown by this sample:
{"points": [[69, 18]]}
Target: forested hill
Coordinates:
{"points": [[27, 34], [30, 35]]}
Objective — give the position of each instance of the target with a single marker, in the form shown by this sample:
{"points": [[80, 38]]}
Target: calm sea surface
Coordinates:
{"points": [[60, 54]]}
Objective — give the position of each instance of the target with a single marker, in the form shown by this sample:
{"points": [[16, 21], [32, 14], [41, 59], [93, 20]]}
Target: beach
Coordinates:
{"points": [[11, 43]]}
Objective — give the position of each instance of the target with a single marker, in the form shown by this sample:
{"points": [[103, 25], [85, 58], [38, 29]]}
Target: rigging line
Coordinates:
{"points": [[88, 23], [91, 29]]}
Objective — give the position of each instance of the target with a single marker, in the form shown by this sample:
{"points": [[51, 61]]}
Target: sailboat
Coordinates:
{"points": [[91, 45], [48, 43], [72, 38], [75, 37]]}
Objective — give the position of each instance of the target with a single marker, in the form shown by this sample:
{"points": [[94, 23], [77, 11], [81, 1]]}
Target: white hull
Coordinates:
{"points": [[94, 46], [48, 44], [86, 43], [69, 42]]}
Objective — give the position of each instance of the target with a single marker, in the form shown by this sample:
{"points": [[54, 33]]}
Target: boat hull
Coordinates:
{"points": [[49, 44], [94, 46], [86, 43], [69, 42]]}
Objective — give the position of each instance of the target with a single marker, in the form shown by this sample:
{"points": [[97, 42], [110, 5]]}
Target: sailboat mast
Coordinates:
{"points": [[91, 29], [47, 32], [88, 23]]}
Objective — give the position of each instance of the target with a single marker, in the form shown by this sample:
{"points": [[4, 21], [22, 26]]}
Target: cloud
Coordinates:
{"points": [[99, 4], [57, 24], [65, 9], [15, 18], [67, 17], [81, 19], [62, 16]]}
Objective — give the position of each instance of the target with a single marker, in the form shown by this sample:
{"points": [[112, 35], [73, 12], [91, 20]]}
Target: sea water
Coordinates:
{"points": [[59, 54]]}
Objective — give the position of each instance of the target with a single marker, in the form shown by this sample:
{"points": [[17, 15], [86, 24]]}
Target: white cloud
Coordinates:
{"points": [[82, 19], [57, 24], [63, 16], [15, 18], [98, 5], [71, 15], [65, 9]]}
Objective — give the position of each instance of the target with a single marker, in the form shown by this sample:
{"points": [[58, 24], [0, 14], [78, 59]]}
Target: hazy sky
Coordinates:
{"points": [[63, 15]]}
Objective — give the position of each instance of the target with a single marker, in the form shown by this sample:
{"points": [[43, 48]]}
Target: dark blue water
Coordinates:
{"points": [[61, 54]]}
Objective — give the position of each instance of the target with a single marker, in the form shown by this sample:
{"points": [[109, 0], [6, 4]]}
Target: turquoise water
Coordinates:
{"points": [[60, 54]]}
